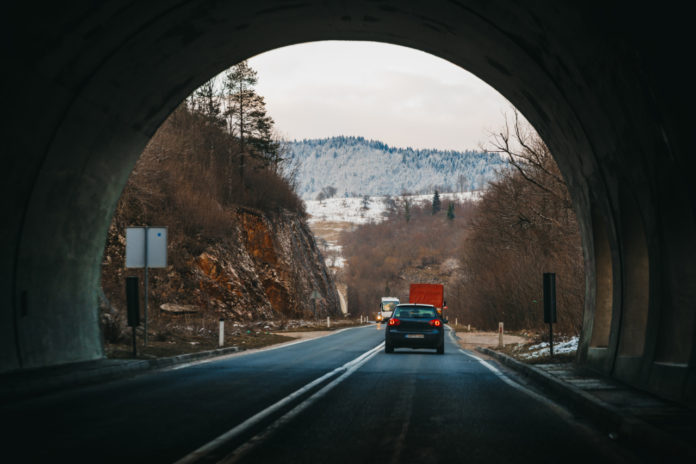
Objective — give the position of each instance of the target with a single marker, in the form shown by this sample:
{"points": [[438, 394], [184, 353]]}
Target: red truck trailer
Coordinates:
{"points": [[433, 294]]}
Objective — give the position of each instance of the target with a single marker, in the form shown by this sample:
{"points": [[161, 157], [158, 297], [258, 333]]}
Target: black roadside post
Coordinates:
{"points": [[133, 303], [314, 297], [550, 304]]}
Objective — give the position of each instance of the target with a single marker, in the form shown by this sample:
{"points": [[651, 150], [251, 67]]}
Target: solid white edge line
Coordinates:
{"points": [[287, 417], [256, 350], [511, 382], [256, 418], [518, 386]]}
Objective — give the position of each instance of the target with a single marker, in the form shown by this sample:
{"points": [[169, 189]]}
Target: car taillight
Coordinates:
{"points": [[436, 323], [394, 321]]}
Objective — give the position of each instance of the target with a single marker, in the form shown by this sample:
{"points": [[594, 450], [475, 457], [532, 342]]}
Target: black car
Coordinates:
{"points": [[415, 326]]}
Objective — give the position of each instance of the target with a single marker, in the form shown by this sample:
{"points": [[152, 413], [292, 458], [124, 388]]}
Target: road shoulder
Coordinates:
{"points": [[19, 385]]}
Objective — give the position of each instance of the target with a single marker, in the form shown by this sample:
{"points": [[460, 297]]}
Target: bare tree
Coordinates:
{"points": [[530, 156], [462, 183], [525, 225]]}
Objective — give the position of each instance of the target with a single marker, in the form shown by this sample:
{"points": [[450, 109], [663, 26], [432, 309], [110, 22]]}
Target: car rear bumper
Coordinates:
{"points": [[407, 340]]}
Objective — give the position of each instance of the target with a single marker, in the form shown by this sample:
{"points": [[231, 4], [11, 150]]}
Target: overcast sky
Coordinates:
{"points": [[398, 95]]}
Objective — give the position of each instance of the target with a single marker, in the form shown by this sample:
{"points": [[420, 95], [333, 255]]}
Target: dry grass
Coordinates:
{"points": [[330, 230], [461, 327], [321, 325], [182, 344], [200, 333]]}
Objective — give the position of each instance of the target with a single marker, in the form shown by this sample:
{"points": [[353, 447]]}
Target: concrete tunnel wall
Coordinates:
{"points": [[87, 84]]}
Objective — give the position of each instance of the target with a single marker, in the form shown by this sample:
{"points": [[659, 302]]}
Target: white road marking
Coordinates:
{"points": [[256, 350], [518, 386], [258, 439], [566, 415], [347, 369], [452, 334]]}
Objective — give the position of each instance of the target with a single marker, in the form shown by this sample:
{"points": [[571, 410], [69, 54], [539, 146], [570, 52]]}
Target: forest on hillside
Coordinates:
{"points": [[214, 155], [411, 242], [490, 254], [355, 166]]}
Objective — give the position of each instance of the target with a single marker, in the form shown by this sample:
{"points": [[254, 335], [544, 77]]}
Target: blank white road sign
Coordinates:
{"points": [[156, 246]]}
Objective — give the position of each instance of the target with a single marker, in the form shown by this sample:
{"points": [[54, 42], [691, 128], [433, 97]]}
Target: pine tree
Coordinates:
{"points": [[436, 203], [207, 103], [247, 119], [407, 209], [450, 211]]}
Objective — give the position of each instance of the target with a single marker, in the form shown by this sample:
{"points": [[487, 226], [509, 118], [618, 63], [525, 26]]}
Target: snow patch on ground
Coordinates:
{"points": [[353, 209], [542, 349]]}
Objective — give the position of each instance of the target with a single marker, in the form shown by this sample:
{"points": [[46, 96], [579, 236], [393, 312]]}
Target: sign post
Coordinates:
{"points": [[550, 304], [146, 247], [133, 304], [314, 297]]}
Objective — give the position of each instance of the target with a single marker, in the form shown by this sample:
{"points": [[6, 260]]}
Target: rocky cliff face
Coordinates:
{"points": [[265, 268], [272, 273]]}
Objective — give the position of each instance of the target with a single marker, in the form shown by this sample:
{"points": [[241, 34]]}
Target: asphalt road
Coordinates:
{"points": [[410, 406]]}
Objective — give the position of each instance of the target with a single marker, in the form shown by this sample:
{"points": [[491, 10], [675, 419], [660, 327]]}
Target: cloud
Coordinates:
{"points": [[401, 96]]}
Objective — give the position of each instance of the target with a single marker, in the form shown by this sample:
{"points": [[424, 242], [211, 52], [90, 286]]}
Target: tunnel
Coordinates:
{"points": [[88, 83]]}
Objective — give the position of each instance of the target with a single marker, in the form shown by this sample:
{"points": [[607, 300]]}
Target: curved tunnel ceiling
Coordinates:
{"points": [[90, 83]]}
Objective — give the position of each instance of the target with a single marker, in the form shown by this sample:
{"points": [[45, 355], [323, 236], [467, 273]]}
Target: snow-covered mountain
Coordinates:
{"points": [[355, 167]]}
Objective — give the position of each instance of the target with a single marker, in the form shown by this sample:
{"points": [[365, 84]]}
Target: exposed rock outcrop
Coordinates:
{"points": [[267, 267]]}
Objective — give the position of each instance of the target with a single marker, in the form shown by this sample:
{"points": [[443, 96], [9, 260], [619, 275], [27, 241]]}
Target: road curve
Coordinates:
{"points": [[410, 406]]}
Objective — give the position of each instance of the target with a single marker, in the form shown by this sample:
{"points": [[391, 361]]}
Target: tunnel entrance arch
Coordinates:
{"points": [[107, 77]]}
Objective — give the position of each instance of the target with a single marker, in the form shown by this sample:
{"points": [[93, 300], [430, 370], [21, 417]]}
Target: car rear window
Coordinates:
{"points": [[415, 312]]}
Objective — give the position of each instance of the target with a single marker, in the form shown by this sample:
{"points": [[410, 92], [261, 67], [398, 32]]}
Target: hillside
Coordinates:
{"points": [[384, 258], [355, 167], [240, 252], [490, 253]]}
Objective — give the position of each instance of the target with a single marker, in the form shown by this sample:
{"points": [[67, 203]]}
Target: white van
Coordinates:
{"points": [[386, 308]]}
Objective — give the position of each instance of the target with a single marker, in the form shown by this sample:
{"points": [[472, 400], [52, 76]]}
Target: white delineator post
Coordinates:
{"points": [[221, 340], [500, 335], [328, 321]]}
